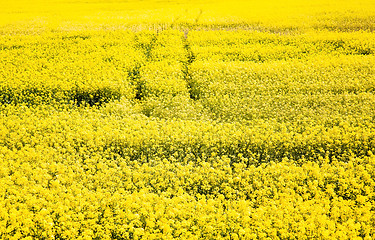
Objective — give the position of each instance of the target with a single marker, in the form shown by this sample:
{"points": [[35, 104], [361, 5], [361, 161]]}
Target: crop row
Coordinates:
{"points": [[126, 133], [95, 67], [116, 174]]}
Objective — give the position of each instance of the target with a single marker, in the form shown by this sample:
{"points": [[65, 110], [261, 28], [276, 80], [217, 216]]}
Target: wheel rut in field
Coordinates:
{"points": [[190, 59]]}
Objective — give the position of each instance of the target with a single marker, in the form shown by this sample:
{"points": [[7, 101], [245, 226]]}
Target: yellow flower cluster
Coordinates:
{"points": [[113, 173], [259, 46], [128, 120], [87, 66]]}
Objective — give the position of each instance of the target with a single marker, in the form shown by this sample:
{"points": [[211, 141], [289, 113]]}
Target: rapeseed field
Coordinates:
{"points": [[187, 119]]}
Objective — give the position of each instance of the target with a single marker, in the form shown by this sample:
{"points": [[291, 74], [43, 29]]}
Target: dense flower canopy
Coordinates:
{"points": [[187, 120]]}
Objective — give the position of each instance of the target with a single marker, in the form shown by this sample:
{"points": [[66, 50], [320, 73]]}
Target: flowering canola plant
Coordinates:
{"points": [[187, 119]]}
